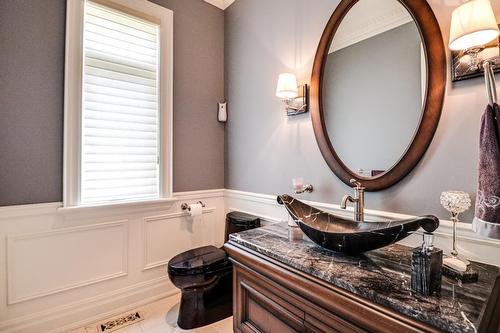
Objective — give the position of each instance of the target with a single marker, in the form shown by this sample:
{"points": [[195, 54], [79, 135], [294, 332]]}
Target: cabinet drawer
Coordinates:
{"points": [[328, 323]]}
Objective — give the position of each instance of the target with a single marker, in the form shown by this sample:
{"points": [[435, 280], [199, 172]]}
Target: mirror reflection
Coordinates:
{"points": [[374, 86]]}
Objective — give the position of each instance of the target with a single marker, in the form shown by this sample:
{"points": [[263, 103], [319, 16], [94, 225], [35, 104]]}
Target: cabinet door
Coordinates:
{"points": [[258, 309]]}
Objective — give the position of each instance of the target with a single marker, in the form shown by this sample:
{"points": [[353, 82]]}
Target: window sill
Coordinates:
{"points": [[118, 207]]}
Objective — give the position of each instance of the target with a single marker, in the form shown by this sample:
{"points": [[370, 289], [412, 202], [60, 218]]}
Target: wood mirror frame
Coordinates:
{"points": [[435, 55]]}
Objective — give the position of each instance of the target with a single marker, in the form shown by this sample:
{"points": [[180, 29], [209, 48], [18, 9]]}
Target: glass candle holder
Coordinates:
{"points": [[455, 202]]}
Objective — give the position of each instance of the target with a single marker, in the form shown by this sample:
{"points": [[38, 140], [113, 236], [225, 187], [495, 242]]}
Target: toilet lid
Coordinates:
{"points": [[241, 219], [201, 260]]}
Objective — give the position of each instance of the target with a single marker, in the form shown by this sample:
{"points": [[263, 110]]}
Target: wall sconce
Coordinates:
{"points": [[472, 36], [296, 98]]}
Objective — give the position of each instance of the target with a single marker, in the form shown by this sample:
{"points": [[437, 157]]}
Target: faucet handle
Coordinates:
{"points": [[357, 184]]}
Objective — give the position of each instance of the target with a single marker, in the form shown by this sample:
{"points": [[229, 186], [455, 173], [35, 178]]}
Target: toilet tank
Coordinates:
{"points": [[238, 222]]}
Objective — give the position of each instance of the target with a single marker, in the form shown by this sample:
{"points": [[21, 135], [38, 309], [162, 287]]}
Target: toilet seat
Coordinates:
{"points": [[204, 260]]}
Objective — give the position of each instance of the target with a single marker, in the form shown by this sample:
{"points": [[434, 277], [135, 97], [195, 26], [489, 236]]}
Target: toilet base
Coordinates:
{"points": [[204, 306]]}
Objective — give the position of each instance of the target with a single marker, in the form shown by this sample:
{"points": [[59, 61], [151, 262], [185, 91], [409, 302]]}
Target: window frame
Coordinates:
{"points": [[73, 93]]}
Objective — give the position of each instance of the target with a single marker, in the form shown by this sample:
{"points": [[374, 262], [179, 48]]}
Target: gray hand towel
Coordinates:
{"points": [[487, 218]]}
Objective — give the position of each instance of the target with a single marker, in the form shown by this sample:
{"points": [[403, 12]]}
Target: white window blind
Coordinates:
{"points": [[120, 107]]}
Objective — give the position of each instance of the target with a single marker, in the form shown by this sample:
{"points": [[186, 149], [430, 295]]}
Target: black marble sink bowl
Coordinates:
{"points": [[348, 236]]}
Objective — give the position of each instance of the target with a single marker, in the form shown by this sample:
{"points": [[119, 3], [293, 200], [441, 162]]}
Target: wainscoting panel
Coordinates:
{"points": [[43, 263], [190, 233]]}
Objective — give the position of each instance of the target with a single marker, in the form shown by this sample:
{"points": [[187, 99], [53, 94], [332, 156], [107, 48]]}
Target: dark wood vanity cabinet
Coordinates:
{"points": [[270, 297], [262, 307]]}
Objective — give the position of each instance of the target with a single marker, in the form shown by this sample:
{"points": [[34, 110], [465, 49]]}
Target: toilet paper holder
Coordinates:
{"points": [[185, 206]]}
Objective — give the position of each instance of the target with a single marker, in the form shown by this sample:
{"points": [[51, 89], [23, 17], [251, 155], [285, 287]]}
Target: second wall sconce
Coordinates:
{"points": [[296, 98], [474, 39], [474, 25]]}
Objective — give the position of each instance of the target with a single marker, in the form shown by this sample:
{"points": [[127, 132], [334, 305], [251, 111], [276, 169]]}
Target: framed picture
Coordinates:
{"points": [[463, 66]]}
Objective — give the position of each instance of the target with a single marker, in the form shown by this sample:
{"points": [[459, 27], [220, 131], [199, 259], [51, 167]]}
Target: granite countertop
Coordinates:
{"points": [[381, 276]]}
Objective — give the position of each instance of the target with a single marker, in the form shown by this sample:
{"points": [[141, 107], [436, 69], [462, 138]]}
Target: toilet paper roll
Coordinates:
{"points": [[195, 210]]}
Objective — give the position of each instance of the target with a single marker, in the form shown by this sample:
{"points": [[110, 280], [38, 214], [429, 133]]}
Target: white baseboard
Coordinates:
{"points": [[43, 321], [126, 308]]}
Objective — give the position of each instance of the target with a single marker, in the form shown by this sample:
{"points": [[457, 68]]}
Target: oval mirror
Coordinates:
{"points": [[377, 89]]}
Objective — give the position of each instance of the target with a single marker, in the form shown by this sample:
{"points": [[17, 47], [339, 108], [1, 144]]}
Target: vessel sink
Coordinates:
{"points": [[340, 234]]}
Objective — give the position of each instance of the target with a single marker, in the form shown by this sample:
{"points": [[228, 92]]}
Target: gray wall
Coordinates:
{"points": [[265, 149], [31, 98], [373, 99]]}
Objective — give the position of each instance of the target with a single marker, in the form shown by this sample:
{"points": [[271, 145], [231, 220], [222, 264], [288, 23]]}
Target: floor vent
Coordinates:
{"points": [[120, 322]]}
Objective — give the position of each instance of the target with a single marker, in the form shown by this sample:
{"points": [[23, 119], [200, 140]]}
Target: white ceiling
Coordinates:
{"points": [[222, 4]]}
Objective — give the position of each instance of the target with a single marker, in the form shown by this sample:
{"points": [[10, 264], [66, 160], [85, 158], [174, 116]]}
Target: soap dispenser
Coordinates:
{"points": [[426, 267]]}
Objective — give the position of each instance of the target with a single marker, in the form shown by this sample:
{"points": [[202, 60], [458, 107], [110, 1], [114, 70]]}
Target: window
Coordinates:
{"points": [[118, 105]]}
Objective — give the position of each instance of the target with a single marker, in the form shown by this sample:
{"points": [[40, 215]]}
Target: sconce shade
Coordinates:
{"points": [[287, 86], [473, 24]]}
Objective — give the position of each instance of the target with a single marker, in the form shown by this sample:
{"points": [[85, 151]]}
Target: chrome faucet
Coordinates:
{"points": [[358, 200]]}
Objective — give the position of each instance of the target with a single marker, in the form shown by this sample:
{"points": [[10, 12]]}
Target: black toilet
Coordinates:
{"points": [[204, 276]]}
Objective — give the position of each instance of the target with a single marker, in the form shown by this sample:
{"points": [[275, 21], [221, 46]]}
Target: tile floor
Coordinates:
{"points": [[159, 319]]}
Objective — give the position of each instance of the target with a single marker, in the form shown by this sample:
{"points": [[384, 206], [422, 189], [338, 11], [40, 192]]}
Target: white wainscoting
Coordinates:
{"points": [[65, 268], [54, 258], [470, 244], [158, 245]]}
